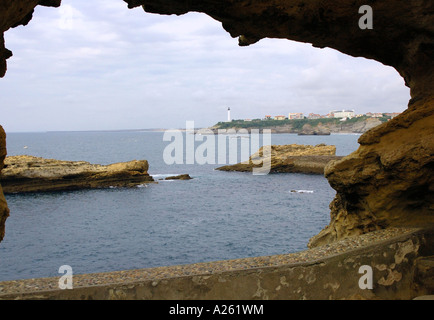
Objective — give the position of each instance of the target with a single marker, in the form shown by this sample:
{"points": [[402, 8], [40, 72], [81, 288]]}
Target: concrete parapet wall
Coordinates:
{"points": [[397, 273]]}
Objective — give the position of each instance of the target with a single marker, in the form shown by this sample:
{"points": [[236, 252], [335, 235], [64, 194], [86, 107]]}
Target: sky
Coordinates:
{"points": [[97, 65]]}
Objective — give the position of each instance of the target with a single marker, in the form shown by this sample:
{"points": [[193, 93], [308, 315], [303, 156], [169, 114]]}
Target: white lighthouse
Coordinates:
{"points": [[229, 115]]}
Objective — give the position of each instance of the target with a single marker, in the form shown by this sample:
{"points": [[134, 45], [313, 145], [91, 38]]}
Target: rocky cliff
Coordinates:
{"points": [[4, 210], [34, 174], [311, 127], [389, 179], [318, 130], [290, 158]]}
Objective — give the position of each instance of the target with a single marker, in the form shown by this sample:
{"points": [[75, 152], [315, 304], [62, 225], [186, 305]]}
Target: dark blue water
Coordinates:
{"points": [[215, 216]]}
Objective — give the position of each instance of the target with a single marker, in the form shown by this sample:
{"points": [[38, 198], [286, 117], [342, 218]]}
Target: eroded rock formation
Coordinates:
{"points": [[311, 131], [4, 210], [389, 179], [34, 174], [291, 158]]}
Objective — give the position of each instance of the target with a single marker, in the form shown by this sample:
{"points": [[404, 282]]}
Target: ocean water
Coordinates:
{"points": [[215, 216]]}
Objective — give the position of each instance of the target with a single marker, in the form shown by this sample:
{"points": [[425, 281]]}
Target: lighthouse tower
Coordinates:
{"points": [[229, 115]]}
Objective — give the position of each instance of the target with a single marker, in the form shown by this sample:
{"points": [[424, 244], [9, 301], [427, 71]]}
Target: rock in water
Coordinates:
{"points": [[292, 158], [179, 177], [33, 174]]}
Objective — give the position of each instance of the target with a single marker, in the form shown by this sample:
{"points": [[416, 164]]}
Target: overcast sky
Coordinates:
{"points": [[96, 65]]}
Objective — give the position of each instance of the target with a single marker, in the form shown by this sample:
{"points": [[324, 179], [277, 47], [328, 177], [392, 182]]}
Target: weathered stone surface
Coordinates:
{"points": [[33, 174], [388, 181], [4, 210], [290, 158]]}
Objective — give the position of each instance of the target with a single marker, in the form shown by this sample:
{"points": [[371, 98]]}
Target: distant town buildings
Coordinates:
{"points": [[279, 118], [314, 116], [392, 115], [342, 114], [297, 115], [374, 115]]}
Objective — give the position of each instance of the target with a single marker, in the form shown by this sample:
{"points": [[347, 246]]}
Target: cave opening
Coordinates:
{"points": [[101, 76]]}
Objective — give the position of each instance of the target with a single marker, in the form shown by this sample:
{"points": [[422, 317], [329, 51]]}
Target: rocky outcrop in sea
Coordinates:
{"points": [[291, 158], [33, 174]]}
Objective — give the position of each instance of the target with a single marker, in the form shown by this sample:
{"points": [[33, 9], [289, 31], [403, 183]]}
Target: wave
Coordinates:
{"points": [[301, 191], [164, 175], [144, 185]]}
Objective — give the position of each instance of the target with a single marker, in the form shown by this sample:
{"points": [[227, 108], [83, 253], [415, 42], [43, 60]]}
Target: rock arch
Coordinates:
{"points": [[389, 180]]}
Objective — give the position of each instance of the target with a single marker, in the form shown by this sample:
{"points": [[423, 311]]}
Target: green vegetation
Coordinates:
{"points": [[296, 124], [257, 123]]}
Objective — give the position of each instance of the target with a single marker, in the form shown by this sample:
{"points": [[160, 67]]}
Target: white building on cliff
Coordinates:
{"points": [[342, 114]]}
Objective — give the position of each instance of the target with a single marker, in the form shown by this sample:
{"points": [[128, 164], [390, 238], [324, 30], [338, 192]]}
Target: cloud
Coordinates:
{"points": [[92, 65]]}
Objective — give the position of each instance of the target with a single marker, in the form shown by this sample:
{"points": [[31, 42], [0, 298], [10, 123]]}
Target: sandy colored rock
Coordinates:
{"points": [[34, 174], [4, 210], [387, 182], [291, 158], [3, 150]]}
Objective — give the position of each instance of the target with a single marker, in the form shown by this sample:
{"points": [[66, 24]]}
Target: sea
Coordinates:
{"points": [[215, 216]]}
